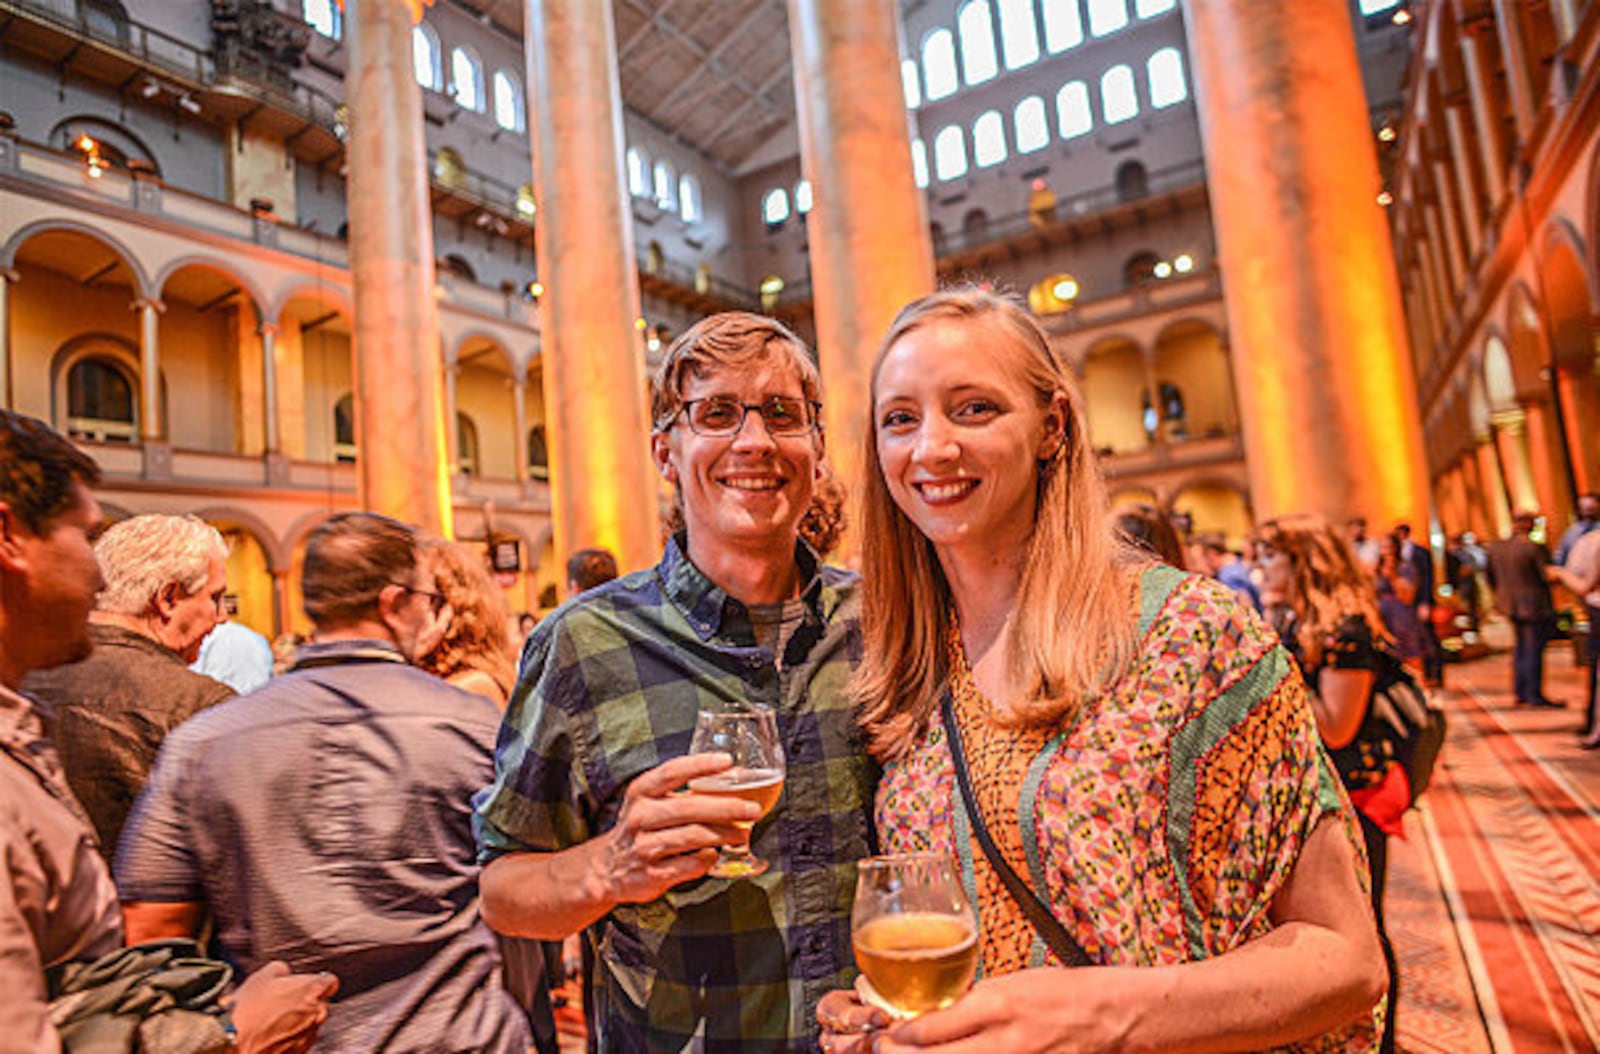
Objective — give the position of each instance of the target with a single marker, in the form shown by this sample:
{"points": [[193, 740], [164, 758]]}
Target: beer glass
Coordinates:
{"points": [[750, 734], [915, 936]]}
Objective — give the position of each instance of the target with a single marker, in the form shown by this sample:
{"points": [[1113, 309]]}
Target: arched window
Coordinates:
{"points": [[775, 206], [919, 162], [467, 462], [1165, 69], [466, 75], [976, 24], [988, 140], [1133, 182], [665, 195], [106, 19], [689, 199], [950, 154], [1119, 99], [100, 401], [1063, 25], [909, 83], [1368, 7], [1140, 269], [1107, 16], [322, 16], [344, 429], [1152, 8], [802, 196], [538, 454], [1072, 110], [939, 64], [508, 111], [1019, 35], [638, 178], [975, 227], [426, 57], [1032, 126]]}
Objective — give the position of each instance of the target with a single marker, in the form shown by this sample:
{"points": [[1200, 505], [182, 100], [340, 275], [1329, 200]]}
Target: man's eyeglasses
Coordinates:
{"points": [[721, 417], [436, 601]]}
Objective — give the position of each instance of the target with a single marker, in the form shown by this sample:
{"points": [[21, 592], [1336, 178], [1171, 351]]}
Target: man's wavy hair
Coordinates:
{"points": [[37, 469], [732, 338]]}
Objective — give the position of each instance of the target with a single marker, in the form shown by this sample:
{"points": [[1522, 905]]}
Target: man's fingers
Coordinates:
{"points": [[681, 839], [670, 775]]}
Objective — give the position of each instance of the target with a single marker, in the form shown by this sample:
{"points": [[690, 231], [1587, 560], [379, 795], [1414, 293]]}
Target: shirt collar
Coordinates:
{"points": [[104, 634], [710, 611], [336, 652]]}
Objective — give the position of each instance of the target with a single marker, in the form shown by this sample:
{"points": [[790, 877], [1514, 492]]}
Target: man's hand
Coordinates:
{"points": [[278, 1012], [662, 837]]}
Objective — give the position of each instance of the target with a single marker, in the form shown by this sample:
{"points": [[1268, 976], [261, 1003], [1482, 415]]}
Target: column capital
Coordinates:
{"points": [[10, 274], [270, 329], [142, 303]]}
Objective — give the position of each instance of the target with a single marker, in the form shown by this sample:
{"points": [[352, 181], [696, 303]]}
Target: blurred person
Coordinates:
{"points": [[1336, 633], [584, 827], [1003, 623], [57, 902], [1522, 593], [236, 655], [1148, 528], [324, 819], [1364, 547], [1462, 563], [165, 579], [1395, 584], [588, 568], [1223, 564], [1581, 574], [825, 521], [474, 651], [284, 647], [1419, 557], [1588, 519]]}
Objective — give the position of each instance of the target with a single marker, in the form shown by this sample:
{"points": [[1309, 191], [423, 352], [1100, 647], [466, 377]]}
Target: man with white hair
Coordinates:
{"points": [[165, 577]]}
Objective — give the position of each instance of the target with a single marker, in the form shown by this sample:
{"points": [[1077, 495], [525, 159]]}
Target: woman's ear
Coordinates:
{"points": [[1053, 439]]}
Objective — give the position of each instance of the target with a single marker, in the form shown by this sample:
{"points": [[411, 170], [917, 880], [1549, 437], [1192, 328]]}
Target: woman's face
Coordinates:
{"points": [[960, 433], [1277, 570]]}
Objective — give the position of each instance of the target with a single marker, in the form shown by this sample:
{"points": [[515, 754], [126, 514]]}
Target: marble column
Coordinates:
{"points": [[1461, 157], [7, 276], [603, 484], [398, 377], [1314, 311], [1496, 494], [452, 428], [1516, 461], [870, 247], [1514, 59], [269, 386], [519, 424], [151, 426], [1450, 220], [1490, 142]]}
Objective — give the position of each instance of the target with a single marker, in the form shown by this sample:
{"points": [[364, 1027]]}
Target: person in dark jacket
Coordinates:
{"points": [[1517, 574]]}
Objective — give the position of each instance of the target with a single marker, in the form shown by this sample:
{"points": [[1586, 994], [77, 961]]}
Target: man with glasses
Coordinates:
{"points": [[324, 819], [586, 826], [165, 579]]}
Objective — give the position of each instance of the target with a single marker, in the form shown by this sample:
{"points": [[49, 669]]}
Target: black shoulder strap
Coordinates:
{"points": [[1044, 922]]}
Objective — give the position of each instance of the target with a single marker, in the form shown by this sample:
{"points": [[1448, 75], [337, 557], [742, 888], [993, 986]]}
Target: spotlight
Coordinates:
{"points": [[1385, 198], [1183, 264], [1402, 17], [150, 89], [639, 324], [535, 289], [1162, 270], [188, 103], [1387, 134], [1066, 289]]}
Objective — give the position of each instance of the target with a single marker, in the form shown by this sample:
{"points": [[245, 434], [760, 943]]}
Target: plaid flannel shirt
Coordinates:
{"points": [[609, 687]]}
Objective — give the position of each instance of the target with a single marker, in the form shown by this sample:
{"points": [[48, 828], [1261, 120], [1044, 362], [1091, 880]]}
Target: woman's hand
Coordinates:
{"points": [[848, 1024], [1051, 1009]]}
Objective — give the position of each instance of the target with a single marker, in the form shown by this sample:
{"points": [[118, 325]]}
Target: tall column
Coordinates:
{"points": [[1495, 491], [867, 261], [519, 423], [1490, 142], [7, 276], [1514, 57], [1511, 441], [1449, 273], [603, 487], [1450, 219], [402, 468], [1565, 15], [452, 436], [151, 427], [1316, 322], [1461, 157], [269, 385]]}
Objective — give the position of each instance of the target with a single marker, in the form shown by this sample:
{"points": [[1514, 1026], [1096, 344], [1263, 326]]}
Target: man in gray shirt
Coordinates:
{"points": [[324, 819]]}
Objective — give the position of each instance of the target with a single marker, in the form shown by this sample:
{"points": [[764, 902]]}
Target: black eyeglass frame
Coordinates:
{"points": [[436, 600], [686, 411]]}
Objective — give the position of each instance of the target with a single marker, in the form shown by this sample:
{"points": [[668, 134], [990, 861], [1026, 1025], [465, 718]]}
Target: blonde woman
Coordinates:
{"points": [[1139, 747]]}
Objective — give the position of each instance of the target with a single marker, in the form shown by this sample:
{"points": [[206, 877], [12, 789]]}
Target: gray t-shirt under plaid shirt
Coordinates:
{"points": [[609, 688]]}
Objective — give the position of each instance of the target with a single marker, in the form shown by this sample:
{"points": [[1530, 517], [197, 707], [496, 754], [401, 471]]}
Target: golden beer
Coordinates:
{"points": [[918, 960], [762, 786]]}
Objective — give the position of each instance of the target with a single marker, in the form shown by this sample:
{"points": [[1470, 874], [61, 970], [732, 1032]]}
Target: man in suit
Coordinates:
{"points": [[1419, 557], [1517, 573]]}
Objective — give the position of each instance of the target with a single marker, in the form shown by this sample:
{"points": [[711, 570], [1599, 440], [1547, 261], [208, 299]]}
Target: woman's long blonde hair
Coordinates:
{"points": [[1072, 631], [1328, 584]]}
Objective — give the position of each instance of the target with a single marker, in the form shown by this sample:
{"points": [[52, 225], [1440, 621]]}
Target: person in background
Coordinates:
{"points": [[1588, 520], [165, 578], [1226, 567], [1419, 557], [824, 522], [588, 568], [1335, 632], [1522, 592], [1581, 574], [1364, 546], [325, 818], [1213, 882], [57, 903], [236, 655], [474, 651], [1395, 583], [1462, 562], [1148, 527]]}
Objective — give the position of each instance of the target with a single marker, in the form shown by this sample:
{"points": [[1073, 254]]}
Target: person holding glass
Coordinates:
{"points": [[607, 814], [1137, 747]]}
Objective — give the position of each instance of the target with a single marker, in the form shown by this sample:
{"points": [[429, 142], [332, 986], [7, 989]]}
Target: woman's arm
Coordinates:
{"points": [[1340, 704], [1318, 969]]}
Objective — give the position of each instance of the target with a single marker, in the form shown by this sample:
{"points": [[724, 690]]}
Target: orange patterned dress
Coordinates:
{"points": [[1160, 820]]}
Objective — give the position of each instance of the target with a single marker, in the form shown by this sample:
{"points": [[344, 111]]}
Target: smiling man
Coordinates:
{"points": [[165, 578], [584, 827]]}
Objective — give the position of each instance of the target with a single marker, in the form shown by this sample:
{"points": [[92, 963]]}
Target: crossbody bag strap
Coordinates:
{"points": [[1066, 949]]}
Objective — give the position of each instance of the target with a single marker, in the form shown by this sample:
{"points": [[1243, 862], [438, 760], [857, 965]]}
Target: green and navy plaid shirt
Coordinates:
{"points": [[609, 687]]}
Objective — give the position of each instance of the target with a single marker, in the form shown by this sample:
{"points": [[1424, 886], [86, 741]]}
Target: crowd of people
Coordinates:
{"points": [[389, 837]]}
